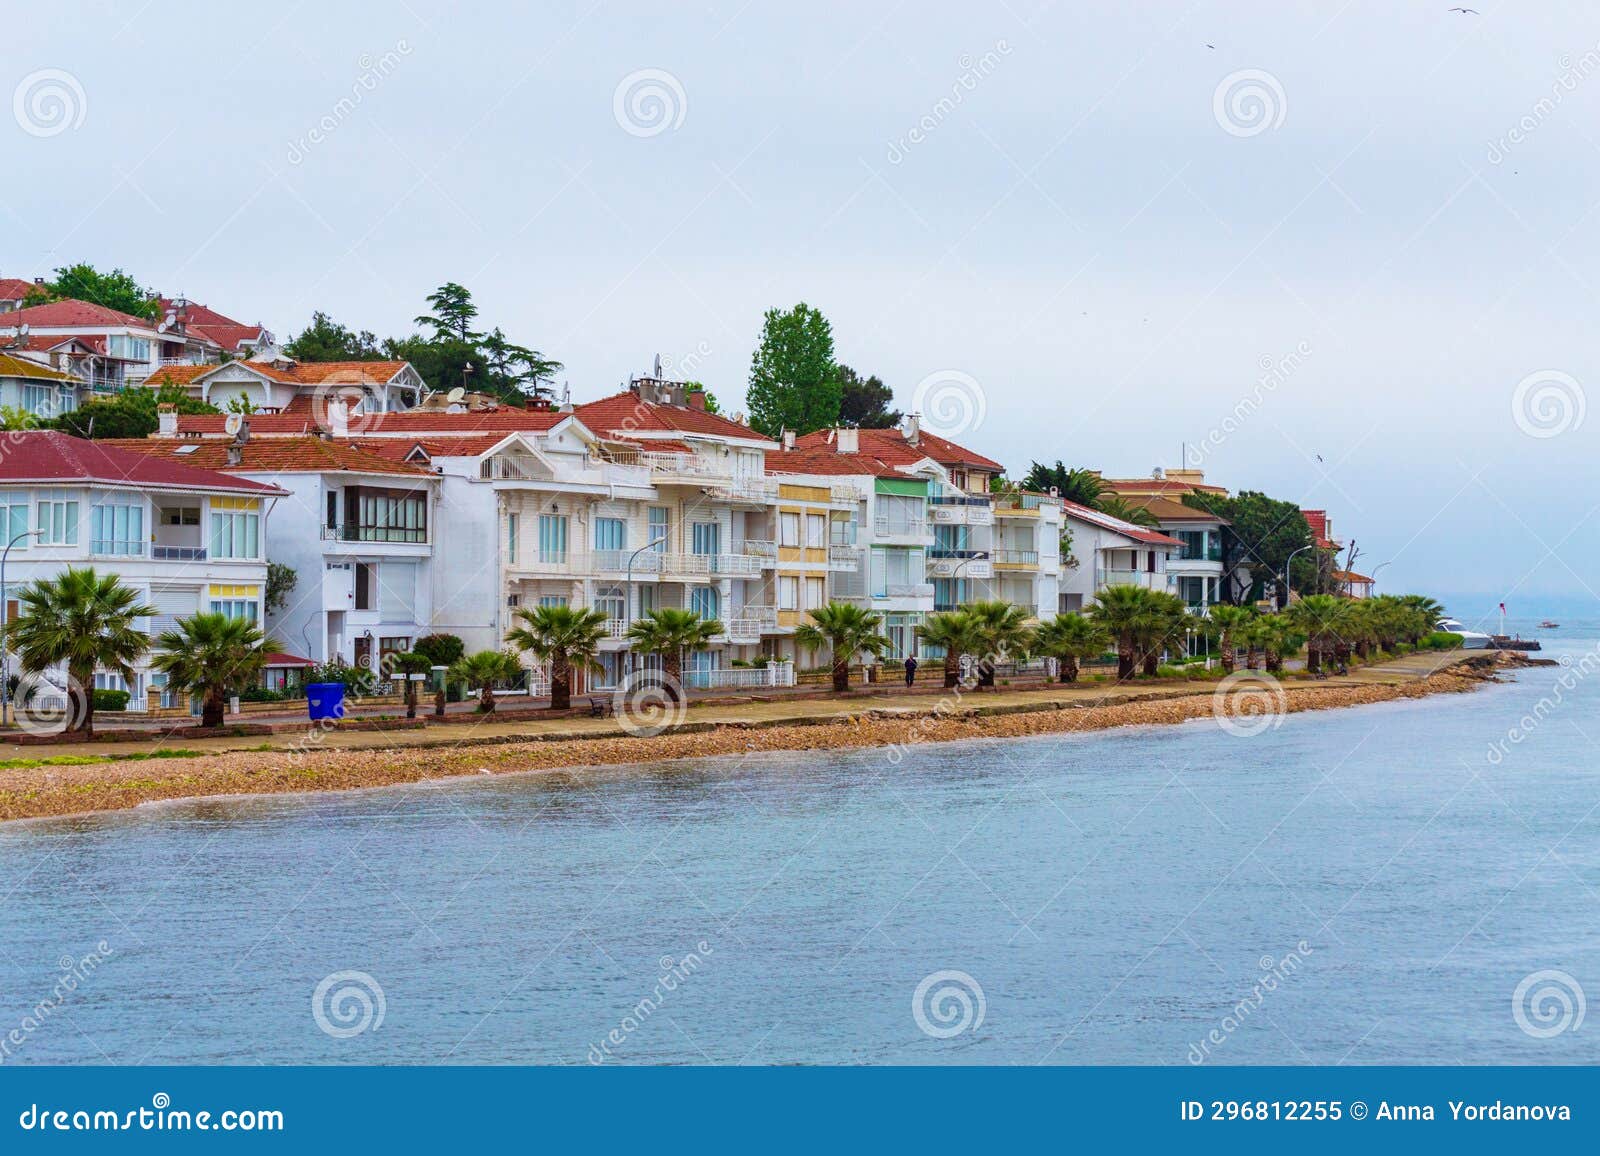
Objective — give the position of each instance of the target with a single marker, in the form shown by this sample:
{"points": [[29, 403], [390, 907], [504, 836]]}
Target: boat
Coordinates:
{"points": [[1470, 639], [1548, 625]]}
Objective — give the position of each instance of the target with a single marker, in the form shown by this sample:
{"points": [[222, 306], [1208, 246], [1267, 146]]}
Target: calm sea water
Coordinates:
{"points": [[1370, 884]]}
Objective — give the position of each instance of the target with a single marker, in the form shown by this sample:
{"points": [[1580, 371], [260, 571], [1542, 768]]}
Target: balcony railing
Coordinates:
{"points": [[908, 590], [118, 549], [900, 527], [759, 547], [957, 498], [353, 532], [843, 557], [952, 552], [1149, 581], [771, 674], [178, 553], [1016, 557]]}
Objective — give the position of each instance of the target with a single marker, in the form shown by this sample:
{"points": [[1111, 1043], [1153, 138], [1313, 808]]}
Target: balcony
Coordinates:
{"points": [[1104, 578], [1020, 505], [178, 553], [749, 624], [1019, 558], [885, 528], [845, 492], [977, 566], [354, 532], [954, 512], [907, 590], [763, 548], [843, 557]]}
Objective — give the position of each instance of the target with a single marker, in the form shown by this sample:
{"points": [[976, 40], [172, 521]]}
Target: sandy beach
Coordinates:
{"points": [[35, 792]]}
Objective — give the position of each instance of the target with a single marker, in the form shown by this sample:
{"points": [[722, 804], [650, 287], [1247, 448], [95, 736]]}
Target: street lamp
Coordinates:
{"points": [[1375, 570], [5, 606], [1286, 564], [627, 611]]}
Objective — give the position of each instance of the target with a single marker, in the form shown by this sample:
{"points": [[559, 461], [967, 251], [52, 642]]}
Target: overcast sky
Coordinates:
{"points": [[1086, 227]]}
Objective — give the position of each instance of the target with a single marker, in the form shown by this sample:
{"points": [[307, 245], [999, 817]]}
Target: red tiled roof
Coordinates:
{"points": [[826, 461], [894, 447], [624, 414], [301, 455], [52, 456], [304, 373], [1351, 576], [203, 321], [14, 288], [1318, 521], [177, 374], [279, 658], [71, 313], [1126, 529]]}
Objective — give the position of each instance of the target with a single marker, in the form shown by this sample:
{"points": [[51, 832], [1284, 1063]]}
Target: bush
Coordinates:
{"points": [[440, 649], [1166, 670], [263, 694], [1440, 640], [111, 699]]}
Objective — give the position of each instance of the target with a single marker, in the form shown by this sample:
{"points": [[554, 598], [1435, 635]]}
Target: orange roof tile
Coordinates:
{"points": [[272, 455], [623, 414]]}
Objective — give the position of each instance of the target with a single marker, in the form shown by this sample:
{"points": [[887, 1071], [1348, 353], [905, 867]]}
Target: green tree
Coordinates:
{"points": [[129, 414], [794, 382], [281, 581], [1258, 536], [14, 418], [846, 630], [83, 621], [1322, 619], [1070, 639], [712, 405], [211, 654], [514, 370], [563, 636], [327, 340], [1117, 506], [1125, 612], [453, 314], [1230, 622], [83, 282], [1074, 485], [1003, 632], [865, 402], [406, 663], [956, 633], [483, 670], [440, 649], [669, 632]]}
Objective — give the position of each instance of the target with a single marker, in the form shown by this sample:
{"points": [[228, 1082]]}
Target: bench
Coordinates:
{"points": [[598, 707]]}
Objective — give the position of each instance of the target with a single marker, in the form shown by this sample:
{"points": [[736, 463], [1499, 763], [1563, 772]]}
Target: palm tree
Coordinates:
{"points": [[669, 632], [211, 654], [1119, 507], [1279, 639], [1255, 634], [1122, 610], [1003, 630], [1167, 619], [956, 632], [83, 621], [486, 668], [1321, 618], [1069, 639], [561, 636], [1231, 622], [1426, 613], [846, 629], [404, 664]]}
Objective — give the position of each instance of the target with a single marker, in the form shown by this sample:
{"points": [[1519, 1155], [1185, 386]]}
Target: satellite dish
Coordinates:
{"points": [[455, 395], [24, 330], [231, 424]]}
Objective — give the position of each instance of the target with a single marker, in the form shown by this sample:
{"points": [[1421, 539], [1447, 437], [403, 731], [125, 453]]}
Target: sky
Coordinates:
{"points": [[1343, 253]]}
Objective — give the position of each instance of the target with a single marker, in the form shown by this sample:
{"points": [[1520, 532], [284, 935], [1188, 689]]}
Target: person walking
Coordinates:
{"points": [[911, 669]]}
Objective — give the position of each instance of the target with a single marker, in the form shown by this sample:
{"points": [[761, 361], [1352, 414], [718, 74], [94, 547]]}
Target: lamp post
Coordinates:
{"points": [[1286, 564], [627, 611], [1375, 570], [5, 606]]}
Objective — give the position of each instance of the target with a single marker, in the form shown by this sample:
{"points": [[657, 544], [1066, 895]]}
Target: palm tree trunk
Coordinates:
{"points": [[1274, 661], [439, 697], [1125, 663], [211, 712], [1152, 663], [672, 667], [486, 698], [1067, 670], [80, 700], [560, 682], [1313, 656], [1252, 658], [1229, 658], [952, 670], [841, 675], [411, 698], [986, 673]]}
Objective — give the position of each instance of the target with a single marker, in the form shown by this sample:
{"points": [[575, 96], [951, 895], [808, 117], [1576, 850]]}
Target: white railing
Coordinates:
{"points": [[900, 527], [843, 557], [1104, 578], [746, 489], [1016, 557], [845, 492], [773, 674], [759, 548], [909, 590], [750, 623]]}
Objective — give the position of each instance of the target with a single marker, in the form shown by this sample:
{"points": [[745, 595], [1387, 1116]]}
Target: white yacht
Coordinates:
{"points": [[1470, 639]]}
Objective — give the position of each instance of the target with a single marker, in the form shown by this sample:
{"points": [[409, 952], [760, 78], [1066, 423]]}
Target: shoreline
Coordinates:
{"points": [[65, 791]]}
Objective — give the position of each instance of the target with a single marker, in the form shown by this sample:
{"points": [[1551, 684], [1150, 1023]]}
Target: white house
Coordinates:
{"points": [[188, 539], [1110, 552], [272, 383]]}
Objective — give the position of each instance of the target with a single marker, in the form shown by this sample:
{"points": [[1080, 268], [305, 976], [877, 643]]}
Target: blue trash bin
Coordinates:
{"points": [[325, 700]]}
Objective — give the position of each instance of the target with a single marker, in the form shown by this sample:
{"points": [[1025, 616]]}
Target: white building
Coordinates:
{"points": [[1107, 551], [272, 383], [189, 540]]}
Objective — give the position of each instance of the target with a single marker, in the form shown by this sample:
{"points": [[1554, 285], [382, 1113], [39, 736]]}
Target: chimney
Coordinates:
{"points": [[38, 280], [847, 440], [167, 420], [338, 417], [674, 393], [788, 439], [914, 429], [696, 399], [235, 454]]}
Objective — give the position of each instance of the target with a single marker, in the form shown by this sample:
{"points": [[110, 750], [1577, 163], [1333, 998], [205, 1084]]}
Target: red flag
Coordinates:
{"points": [[1502, 608]]}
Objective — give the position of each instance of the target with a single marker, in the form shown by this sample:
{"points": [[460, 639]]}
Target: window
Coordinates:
{"points": [[333, 510], [39, 400], [895, 569], [610, 534], [611, 604], [898, 514], [844, 531], [14, 519], [511, 537], [58, 518], [127, 348], [366, 583], [388, 646], [660, 532], [183, 515], [387, 517], [707, 538], [788, 529], [815, 594], [553, 538], [552, 600], [235, 528], [236, 601], [816, 530], [118, 529], [649, 599], [950, 539], [704, 601], [788, 593]]}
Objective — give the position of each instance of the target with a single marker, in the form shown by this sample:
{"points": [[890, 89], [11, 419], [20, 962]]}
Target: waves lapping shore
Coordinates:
{"points": [[68, 790]]}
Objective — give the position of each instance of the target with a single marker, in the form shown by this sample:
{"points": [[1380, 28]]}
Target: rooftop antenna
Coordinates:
{"points": [[566, 393], [658, 367]]}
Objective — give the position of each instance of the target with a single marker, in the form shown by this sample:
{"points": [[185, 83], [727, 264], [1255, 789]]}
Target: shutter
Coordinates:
{"points": [[397, 591], [172, 603]]}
